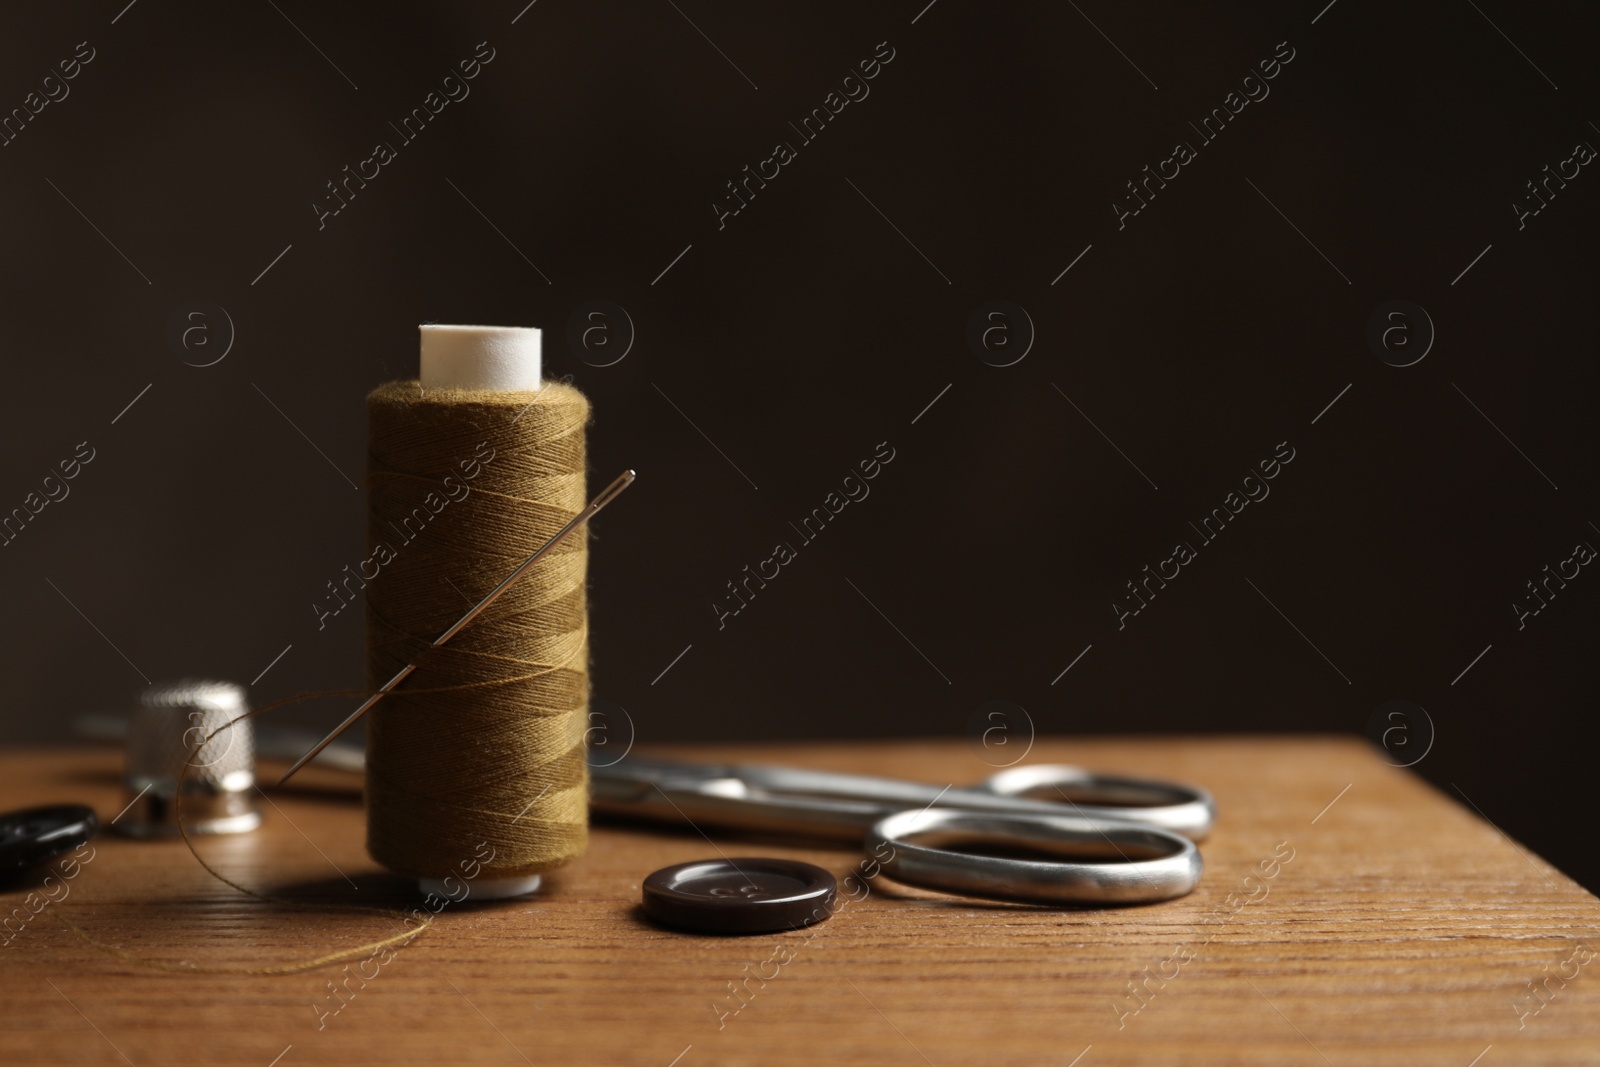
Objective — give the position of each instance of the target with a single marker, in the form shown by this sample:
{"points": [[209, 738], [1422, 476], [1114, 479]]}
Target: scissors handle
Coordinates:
{"points": [[1173, 806], [1126, 863]]}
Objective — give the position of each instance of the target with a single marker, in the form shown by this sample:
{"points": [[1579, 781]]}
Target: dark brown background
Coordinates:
{"points": [[808, 330]]}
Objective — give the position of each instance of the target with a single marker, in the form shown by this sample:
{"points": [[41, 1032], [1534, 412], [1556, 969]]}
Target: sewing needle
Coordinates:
{"points": [[607, 495]]}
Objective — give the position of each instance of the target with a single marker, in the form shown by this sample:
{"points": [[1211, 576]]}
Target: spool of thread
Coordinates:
{"points": [[470, 469]]}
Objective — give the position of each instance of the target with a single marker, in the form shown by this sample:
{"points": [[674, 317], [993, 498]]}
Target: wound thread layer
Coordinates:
{"points": [[484, 742]]}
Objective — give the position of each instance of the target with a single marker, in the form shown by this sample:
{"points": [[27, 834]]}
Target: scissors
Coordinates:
{"points": [[1123, 840]]}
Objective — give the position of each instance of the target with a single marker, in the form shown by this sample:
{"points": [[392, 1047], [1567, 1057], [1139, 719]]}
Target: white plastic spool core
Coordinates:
{"points": [[505, 358], [481, 888]]}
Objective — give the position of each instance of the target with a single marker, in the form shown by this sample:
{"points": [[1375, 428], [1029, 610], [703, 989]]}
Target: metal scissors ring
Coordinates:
{"points": [[1135, 837], [923, 848]]}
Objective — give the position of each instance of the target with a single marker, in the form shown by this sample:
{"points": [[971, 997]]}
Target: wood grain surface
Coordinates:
{"points": [[1349, 914]]}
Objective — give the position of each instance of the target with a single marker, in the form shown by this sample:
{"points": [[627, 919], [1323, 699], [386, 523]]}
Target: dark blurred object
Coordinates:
{"points": [[32, 838]]}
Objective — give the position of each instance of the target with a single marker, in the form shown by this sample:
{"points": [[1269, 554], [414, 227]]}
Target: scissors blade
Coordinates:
{"points": [[822, 805]]}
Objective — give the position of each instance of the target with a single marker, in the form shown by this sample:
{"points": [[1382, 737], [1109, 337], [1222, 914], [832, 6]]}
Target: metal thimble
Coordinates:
{"points": [[219, 788]]}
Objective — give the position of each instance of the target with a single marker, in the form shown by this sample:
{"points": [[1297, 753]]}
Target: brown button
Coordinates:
{"points": [[744, 895]]}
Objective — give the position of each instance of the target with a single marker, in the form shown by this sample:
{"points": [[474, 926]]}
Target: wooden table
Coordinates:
{"points": [[1388, 924]]}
